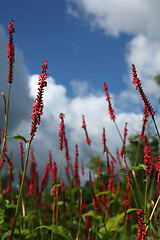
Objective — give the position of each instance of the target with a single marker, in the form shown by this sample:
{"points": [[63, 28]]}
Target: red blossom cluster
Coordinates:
{"points": [[34, 186], [110, 108], [142, 235], [54, 175], [45, 177], [11, 51], [88, 141], [76, 175], [145, 120], [124, 140], [61, 131], [147, 156], [38, 103], [137, 83]]}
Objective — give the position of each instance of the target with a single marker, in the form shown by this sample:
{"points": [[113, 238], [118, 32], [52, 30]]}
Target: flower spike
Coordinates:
{"points": [[137, 83]]}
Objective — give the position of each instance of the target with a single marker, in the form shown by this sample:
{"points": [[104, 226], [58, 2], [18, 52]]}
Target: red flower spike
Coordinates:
{"points": [[61, 131], [88, 141], [137, 83], [124, 140], [21, 151], [110, 108], [11, 51], [104, 140], [45, 177], [147, 157], [142, 235], [145, 120], [38, 103], [127, 172]]}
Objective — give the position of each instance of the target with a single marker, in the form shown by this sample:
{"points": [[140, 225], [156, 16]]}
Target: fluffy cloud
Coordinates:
{"points": [[140, 20], [115, 17]]}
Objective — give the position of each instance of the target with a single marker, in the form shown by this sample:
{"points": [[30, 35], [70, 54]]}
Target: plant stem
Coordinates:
{"points": [[5, 133], [80, 212], [145, 201], [20, 192], [156, 128], [150, 218]]}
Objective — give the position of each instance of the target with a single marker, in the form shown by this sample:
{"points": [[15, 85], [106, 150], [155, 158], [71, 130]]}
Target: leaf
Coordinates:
{"points": [[139, 167], [108, 193], [59, 231], [114, 222], [18, 138], [91, 213]]}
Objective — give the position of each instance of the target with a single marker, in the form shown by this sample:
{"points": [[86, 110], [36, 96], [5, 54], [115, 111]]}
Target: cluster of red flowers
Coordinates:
{"points": [[147, 157], [124, 140], [137, 83], [88, 141], [54, 175], [142, 235], [110, 108], [11, 51], [33, 187], [145, 120], [61, 131], [38, 103], [76, 175]]}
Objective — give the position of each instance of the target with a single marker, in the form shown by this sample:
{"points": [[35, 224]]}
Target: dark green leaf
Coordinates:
{"points": [[18, 138]]}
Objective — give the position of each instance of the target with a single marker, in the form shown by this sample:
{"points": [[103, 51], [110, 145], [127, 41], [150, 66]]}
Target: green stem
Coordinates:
{"points": [[150, 218], [145, 202], [156, 128], [20, 192], [80, 211], [133, 173], [5, 133], [59, 166], [135, 164]]}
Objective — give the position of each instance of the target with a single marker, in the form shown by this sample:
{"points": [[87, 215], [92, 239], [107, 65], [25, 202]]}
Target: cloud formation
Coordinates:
{"points": [[139, 20]]}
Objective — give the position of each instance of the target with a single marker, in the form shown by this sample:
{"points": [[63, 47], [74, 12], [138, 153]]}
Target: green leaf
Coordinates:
{"points": [[91, 213], [108, 193], [113, 223], [18, 138], [60, 230], [139, 167]]}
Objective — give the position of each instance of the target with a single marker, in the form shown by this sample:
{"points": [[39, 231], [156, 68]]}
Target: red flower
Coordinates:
{"points": [[61, 131], [76, 175], [147, 157], [88, 141], [145, 120], [38, 103], [137, 83], [142, 235], [111, 110], [11, 51], [104, 140], [124, 140]]}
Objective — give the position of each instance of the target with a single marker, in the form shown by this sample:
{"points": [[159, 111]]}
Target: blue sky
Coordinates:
{"points": [[86, 43], [45, 30]]}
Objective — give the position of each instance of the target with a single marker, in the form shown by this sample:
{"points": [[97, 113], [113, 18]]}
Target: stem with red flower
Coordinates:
{"points": [[36, 117], [11, 57], [147, 104]]}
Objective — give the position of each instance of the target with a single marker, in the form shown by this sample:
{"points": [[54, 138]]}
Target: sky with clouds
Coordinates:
{"points": [[86, 43]]}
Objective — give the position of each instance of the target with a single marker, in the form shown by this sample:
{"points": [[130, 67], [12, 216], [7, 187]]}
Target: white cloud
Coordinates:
{"points": [[79, 87], [140, 20], [115, 17]]}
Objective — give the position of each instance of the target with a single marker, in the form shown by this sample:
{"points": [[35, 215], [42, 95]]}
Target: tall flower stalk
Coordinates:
{"points": [[147, 104], [11, 57], [36, 118]]}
